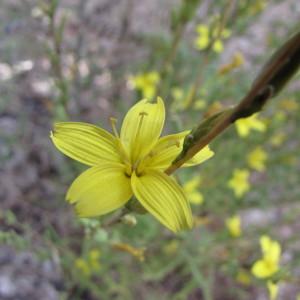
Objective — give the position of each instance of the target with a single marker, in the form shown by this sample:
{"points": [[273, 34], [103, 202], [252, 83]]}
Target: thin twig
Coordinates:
{"points": [[177, 36], [56, 33]]}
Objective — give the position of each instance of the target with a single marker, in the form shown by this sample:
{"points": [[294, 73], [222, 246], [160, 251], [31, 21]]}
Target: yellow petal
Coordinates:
{"points": [[163, 198], [202, 29], [262, 269], [273, 289], [166, 150], [142, 127], [265, 243], [233, 225], [218, 46], [195, 198], [192, 185], [169, 147], [275, 251], [100, 190], [271, 249], [200, 157], [244, 125], [84, 142]]}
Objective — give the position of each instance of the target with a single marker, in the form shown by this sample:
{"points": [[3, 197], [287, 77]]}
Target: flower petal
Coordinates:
{"points": [[200, 157], [100, 190], [271, 249], [165, 151], [163, 198], [86, 143], [142, 127], [168, 148], [262, 269]]}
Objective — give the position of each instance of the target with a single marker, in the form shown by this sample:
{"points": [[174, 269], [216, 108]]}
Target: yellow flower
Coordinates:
{"points": [[178, 96], [239, 182], [191, 190], [199, 104], [233, 225], [128, 164], [273, 289], [218, 46], [257, 159], [244, 125], [89, 265], [146, 83], [205, 37], [269, 264], [202, 29]]}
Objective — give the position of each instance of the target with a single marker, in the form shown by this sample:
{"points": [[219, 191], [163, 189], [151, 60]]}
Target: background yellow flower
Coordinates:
{"points": [[233, 225], [245, 125], [239, 182], [257, 159], [268, 265]]}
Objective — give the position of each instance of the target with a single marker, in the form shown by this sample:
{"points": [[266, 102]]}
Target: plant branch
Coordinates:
{"points": [[270, 81]]}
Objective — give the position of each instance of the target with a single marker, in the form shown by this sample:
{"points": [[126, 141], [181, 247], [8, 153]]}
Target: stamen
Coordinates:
{"points": [[122, 151], [142, 115], [113, 122], [137, 147]]}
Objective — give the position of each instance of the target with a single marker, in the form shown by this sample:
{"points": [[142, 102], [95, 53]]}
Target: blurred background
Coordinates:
{"points": [[88, 60]]}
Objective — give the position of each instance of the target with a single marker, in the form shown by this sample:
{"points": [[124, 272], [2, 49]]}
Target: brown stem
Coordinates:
{"points": [[273, 77]]}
